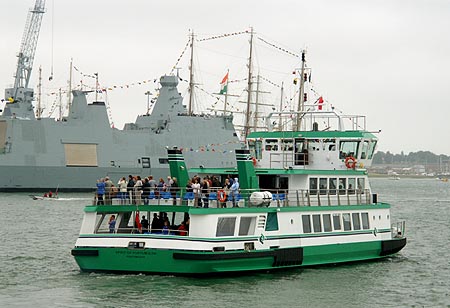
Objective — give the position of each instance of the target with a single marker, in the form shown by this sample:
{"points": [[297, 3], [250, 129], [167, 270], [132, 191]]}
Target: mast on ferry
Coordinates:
{"points": [[301, 92], [249, 94], [191, 76]]}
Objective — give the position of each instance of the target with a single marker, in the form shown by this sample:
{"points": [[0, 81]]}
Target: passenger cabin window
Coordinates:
{"points": [[301, 152], [287, 145], [337, 222], [361, 185], [225, 226], [365, 221], [306, 224], [332, 185], [351, 186], [327, 222], [329, 145], [347, 222], [356, 221], [247, 226], [348, 148], [313, 186], [317, 224], [342, 186], [323, 186], [271, 145]]}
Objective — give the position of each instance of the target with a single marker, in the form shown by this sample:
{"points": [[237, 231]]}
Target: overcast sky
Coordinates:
{"points": [[388, 60]]}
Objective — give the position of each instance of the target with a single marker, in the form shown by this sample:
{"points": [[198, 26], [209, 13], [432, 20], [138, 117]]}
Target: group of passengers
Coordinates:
{"points": [[137, 189], [161, 225], [134, 188]]}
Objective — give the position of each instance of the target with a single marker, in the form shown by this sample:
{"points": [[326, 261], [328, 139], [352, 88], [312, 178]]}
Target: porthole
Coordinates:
{"points": [[292, 221], [373, 217], [379, 217], [387, 216]]}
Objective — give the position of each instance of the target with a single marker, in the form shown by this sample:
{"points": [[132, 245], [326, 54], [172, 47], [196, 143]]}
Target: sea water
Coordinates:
{"points": [[37, 269]]}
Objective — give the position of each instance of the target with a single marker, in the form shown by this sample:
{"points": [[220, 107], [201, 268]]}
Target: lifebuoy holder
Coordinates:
{"points": [[350, 162], [221, 195]]}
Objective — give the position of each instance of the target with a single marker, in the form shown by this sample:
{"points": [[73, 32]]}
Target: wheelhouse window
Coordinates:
{"points": [[372, 147], [301, 152], [225, 226], [287, 145], [348, 148], [313, 186], [347, 222], [364, 149], [306, 221]]}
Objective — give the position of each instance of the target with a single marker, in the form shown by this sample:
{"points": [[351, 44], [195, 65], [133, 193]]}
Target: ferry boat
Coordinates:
{"points": [[304, 200]]}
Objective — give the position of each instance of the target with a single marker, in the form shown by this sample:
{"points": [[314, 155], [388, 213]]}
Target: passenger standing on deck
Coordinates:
{"points": [[100, 191], [130, 187], [138, 189], [205, 192], [144, 223], [108, 190], [152, 183], [122, 188], [112, 223], [196, 190], [235, 191]]}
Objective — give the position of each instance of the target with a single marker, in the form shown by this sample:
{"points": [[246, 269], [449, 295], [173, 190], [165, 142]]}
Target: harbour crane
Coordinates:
{"points": [[19, 98]]}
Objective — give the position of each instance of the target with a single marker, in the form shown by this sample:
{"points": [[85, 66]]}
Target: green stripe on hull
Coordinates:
{"points": [[184, 262]]}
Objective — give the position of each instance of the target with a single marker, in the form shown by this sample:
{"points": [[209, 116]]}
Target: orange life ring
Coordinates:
{"points": [[350, 162], [221, 195], [254, 161]]}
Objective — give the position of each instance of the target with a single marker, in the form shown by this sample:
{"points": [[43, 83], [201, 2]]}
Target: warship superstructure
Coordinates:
{"points": [[41, 154]]}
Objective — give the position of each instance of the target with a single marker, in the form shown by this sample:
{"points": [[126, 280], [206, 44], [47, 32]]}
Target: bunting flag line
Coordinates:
{"points": [[279, 48], [223, 36]]}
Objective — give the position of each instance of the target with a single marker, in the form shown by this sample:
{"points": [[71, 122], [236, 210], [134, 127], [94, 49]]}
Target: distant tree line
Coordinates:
{"points": [[413, 158]]}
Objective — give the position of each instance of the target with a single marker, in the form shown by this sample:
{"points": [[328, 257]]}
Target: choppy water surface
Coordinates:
{"points": [[37, 270]]}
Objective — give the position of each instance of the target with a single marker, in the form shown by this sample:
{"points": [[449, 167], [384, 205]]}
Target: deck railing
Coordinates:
{"points": [[280, 197]]}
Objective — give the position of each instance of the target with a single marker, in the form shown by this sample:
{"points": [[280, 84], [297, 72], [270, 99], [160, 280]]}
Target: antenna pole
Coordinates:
{"points": [[38, 113], [69, 93], [255, 120], [226, 93]]}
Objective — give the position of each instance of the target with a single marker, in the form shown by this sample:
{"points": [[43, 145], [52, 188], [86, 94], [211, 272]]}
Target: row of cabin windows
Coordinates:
{"points": [[331, 186], [247, 224], [335, 222], [356, 148]]}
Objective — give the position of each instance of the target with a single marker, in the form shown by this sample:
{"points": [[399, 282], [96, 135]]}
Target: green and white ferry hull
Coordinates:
{"points": [[268, 248]]}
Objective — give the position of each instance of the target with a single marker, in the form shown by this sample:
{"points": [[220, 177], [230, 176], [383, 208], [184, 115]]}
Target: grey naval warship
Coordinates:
{"points": [[42, 154]]}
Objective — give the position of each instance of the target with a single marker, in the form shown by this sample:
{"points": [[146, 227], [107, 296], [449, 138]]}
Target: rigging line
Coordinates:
{"points": [[279, 48], [181, 56], [222, 36]]}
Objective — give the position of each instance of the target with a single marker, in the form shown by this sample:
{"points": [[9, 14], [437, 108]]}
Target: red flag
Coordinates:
{"points": [[138, 222], [320, 103]]}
